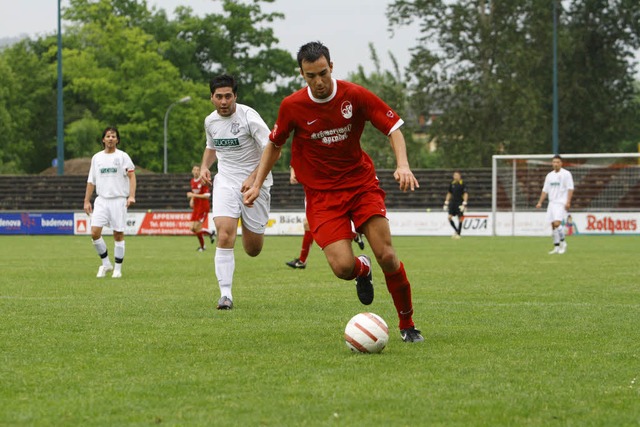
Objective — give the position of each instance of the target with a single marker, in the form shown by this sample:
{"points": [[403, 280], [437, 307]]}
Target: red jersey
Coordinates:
{"points": [[197, 187], [326, 152]]}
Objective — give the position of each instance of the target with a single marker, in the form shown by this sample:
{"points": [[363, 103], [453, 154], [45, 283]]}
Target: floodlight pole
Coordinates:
{"points": [[555, 142], [166, 118], [60, 105]]}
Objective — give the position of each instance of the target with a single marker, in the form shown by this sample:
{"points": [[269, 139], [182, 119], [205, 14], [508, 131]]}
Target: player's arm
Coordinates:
{"points": [[543, 196], [292, 176], [465, 199], [87, 198], [402, 174], [132, 187], [569, 197], [445, 206], [208, 158], [270, 156], [198, 196]]}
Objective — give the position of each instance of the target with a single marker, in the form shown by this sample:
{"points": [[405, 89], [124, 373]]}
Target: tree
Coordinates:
{"points": [[27, 109], [388, 85], [487, 66]]}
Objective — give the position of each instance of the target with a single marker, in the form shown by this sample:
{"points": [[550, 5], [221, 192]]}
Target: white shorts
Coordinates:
{"points": [[556, 212], [227, 201], [110, 213]]}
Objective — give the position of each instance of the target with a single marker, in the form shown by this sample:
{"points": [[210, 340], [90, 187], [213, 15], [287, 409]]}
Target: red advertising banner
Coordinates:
{"points": [[167, 223]]}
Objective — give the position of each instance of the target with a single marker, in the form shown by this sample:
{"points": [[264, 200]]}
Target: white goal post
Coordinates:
{"points": [[605, 182]]}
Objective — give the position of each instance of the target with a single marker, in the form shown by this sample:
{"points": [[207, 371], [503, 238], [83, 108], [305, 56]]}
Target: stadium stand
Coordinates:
{"points": [[168, 192]]}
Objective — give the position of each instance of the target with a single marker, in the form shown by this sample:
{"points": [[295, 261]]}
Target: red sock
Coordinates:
{"points": [[400, 290], [200, 239], [307, 241], [359, 269]]}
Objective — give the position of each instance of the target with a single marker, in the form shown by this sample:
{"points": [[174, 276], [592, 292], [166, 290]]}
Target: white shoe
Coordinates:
{"points": [[556, 250], [116, 274], [455, 236], [563, 247], [102, 271]]}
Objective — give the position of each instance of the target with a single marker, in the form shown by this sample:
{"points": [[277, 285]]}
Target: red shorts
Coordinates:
{"points": [[199, 214], [330, 212]]}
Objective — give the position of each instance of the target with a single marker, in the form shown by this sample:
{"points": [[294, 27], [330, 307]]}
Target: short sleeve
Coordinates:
{"points": [[258, 128]]}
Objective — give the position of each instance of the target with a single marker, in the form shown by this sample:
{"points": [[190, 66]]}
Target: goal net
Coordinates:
{"points": [[603, 183]]}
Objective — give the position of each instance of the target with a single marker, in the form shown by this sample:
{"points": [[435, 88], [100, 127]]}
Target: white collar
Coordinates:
{"points": [[328, 98]]}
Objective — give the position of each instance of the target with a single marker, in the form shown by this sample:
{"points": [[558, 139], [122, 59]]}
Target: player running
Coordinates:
{"points": [[559, 186], [307, 238], [456, 203], [112, 175], [236, 136], [199, 197], [339, 179]]}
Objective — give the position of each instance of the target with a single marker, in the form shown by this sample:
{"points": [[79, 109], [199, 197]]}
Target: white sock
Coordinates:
{"points": [[561, 231], [118, 254], [225, 264], [101, 249], [556, 236]]}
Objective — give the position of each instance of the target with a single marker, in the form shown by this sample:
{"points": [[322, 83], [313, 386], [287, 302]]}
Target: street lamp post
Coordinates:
{"points": [[166, 118]]}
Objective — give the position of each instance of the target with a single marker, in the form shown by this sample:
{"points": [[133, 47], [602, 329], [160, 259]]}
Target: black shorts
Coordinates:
{"points": [[454, 210]]}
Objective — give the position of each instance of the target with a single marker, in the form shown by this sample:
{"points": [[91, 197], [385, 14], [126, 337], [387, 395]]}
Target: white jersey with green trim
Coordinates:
{"points": [[557, 186], [238, 140], [109, 173]]}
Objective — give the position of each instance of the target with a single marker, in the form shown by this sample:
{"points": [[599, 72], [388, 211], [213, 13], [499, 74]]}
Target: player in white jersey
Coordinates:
{"points": [[236, 136], [558, 185], [113, 177]]}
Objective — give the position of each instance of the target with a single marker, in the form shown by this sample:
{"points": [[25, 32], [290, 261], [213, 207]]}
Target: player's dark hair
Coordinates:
{"points": [[110, 129], [313, 51], [557, 156], [223, 80]]}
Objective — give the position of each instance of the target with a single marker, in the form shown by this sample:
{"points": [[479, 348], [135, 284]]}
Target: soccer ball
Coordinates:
{"points": [[366, 333]]}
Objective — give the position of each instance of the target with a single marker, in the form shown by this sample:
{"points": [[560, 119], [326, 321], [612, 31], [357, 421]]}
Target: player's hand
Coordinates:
{"points": [[189, 194], [131, 200], [249, 196], [87, 208], [205, 176], [567, 206], [462, 208], [292, 176], [445, 207], [539, 205], [405, 178], [247, 183]]}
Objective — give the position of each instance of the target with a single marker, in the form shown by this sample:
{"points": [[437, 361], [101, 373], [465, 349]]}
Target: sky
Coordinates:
{"points": [[346, 27]]}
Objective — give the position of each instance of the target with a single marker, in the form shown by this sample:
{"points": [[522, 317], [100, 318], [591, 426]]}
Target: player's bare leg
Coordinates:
{"points": [[378, 234], [101, 249], [341, 259], [252, 242], [224, 260]]}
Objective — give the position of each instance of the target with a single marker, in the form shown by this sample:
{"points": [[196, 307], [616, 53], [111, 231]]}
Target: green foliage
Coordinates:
{"points": [[388, 85], [82, 137], [124, 65], [488, 67], [514, 338], [27, 109]]}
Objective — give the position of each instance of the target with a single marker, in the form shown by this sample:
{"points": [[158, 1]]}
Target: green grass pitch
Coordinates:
{"points": [[514, 337]]}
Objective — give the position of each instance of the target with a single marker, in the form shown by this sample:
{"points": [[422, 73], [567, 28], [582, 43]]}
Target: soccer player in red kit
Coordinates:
{"points": [[199, 201], [327, 119]]}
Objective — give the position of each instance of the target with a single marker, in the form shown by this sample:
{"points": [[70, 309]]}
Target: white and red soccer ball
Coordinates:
{"points": [[366, 333]]}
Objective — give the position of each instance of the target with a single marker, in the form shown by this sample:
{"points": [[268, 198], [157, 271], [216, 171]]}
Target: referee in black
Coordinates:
{"points": [[456, 202]]}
